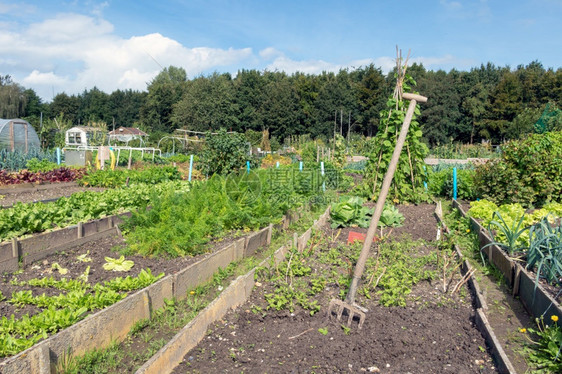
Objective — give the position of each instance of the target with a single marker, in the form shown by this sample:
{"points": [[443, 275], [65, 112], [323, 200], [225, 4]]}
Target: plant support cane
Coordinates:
{"points": [[349, 306]]}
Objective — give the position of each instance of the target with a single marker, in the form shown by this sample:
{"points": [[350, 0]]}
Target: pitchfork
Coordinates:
{"points": [[349, 306]]}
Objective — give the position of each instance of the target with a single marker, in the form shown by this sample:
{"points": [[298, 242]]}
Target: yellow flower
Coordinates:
{"points": [[467, 230], [523, 330], [554, 318], [192, 292]]}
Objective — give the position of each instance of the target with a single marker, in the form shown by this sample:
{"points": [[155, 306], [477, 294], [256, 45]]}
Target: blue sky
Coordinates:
{"points": [[58, 46]]}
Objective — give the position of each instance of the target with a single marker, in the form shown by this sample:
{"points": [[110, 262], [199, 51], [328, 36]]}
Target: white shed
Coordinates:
{"points": [[84, 136]]}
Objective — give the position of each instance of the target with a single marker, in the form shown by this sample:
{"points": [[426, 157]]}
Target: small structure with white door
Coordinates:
{"points": [[84, 136]]}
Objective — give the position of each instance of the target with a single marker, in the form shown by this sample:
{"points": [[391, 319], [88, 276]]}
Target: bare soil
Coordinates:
{"points": [[433, 333], [97, 250], [9, 199]]}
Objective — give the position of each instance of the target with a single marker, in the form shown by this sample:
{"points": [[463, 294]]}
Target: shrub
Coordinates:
{"points": [[529, 172], [224, 152], [441, 183]]}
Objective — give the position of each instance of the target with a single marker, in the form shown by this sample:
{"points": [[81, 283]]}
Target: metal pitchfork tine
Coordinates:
{"points": [[349, 306]]}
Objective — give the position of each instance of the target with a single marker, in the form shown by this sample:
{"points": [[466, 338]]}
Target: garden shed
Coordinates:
{"points": [[17, 134], [84, 136]]}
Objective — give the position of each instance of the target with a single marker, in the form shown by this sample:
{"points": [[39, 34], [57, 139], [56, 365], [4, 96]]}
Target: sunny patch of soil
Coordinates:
{"points": [[433, 332]]}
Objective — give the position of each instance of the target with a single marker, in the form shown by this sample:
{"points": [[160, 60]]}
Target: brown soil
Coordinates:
{"points": [[97, 250], [433, 333], [9, 199]]}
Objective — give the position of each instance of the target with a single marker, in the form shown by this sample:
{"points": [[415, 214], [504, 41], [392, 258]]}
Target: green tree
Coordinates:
{"points": [[93, 106], [280, 110], [164, 91], [12, 98], [208, 104], [370, 92], [124, 106], [441, 113], [67, 106], [249, 98]]}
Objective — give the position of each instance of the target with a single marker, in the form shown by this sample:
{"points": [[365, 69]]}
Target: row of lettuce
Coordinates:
{"points": [[62, 310]]}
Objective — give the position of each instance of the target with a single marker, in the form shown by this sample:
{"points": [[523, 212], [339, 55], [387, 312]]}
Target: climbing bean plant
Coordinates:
{"points": [[407, 184]]}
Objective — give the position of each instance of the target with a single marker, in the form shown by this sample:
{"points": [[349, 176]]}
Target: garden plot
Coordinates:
{"points": [[77, 283], [415, 322], [504, 313]]}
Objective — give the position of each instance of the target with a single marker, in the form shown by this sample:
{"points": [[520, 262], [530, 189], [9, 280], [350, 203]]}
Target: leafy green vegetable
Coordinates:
{"points": [[351, 213], [119, 264], [55, 266], [84, 257], [391, 217]]}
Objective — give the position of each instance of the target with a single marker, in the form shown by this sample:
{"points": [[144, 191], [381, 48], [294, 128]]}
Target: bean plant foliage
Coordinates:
{"points": [[407, 184]]}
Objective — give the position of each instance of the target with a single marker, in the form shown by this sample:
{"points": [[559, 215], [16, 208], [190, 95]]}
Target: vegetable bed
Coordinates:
{"points": [[415, 322], [70, 281]]}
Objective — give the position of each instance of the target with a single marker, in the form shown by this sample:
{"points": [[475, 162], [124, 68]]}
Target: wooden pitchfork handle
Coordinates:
{"points": [[360, 266]]}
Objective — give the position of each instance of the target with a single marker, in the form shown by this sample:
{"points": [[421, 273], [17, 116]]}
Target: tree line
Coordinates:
{"points": [[486, 103]]}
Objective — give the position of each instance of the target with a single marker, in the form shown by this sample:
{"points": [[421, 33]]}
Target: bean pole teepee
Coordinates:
{"points": [[409, 178]]}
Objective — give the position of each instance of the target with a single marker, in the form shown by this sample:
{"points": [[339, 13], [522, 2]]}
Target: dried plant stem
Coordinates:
{"points": [[302, 333], [463, 280]]}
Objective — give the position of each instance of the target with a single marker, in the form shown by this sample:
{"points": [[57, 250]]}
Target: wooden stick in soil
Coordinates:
{"points": [[459, 264], [360, 266], [463, 280], [302, 333]]}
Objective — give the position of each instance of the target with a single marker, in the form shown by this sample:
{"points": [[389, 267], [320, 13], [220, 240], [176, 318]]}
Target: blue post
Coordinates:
{"points": [[277, 165], [425, 177], [58, 156], [248, 166], [454, 183], [300, 165], [190, 167], [322, 172]]}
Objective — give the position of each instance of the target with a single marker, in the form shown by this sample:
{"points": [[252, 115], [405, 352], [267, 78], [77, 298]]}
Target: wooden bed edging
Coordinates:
{"points": [[536, 300], [113, 323], [25, 187], [503, 363], [39, 246], [169, 356]]}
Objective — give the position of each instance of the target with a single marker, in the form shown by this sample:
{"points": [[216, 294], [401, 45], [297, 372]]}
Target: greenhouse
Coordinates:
{"points": [[17, 134]]}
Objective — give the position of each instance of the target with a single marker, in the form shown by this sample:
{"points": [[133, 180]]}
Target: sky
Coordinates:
{"points": [[55, 46]]}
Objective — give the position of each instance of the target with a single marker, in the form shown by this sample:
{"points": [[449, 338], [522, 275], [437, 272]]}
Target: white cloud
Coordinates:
{"points": [[69, 28], [451, 5], [73, 52], [6, 8], [385, 63], [289, 66], [270, 53], [38, 78]]}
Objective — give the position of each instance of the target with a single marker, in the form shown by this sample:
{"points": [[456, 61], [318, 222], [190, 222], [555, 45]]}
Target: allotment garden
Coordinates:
{"points": [[228, 261]]}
